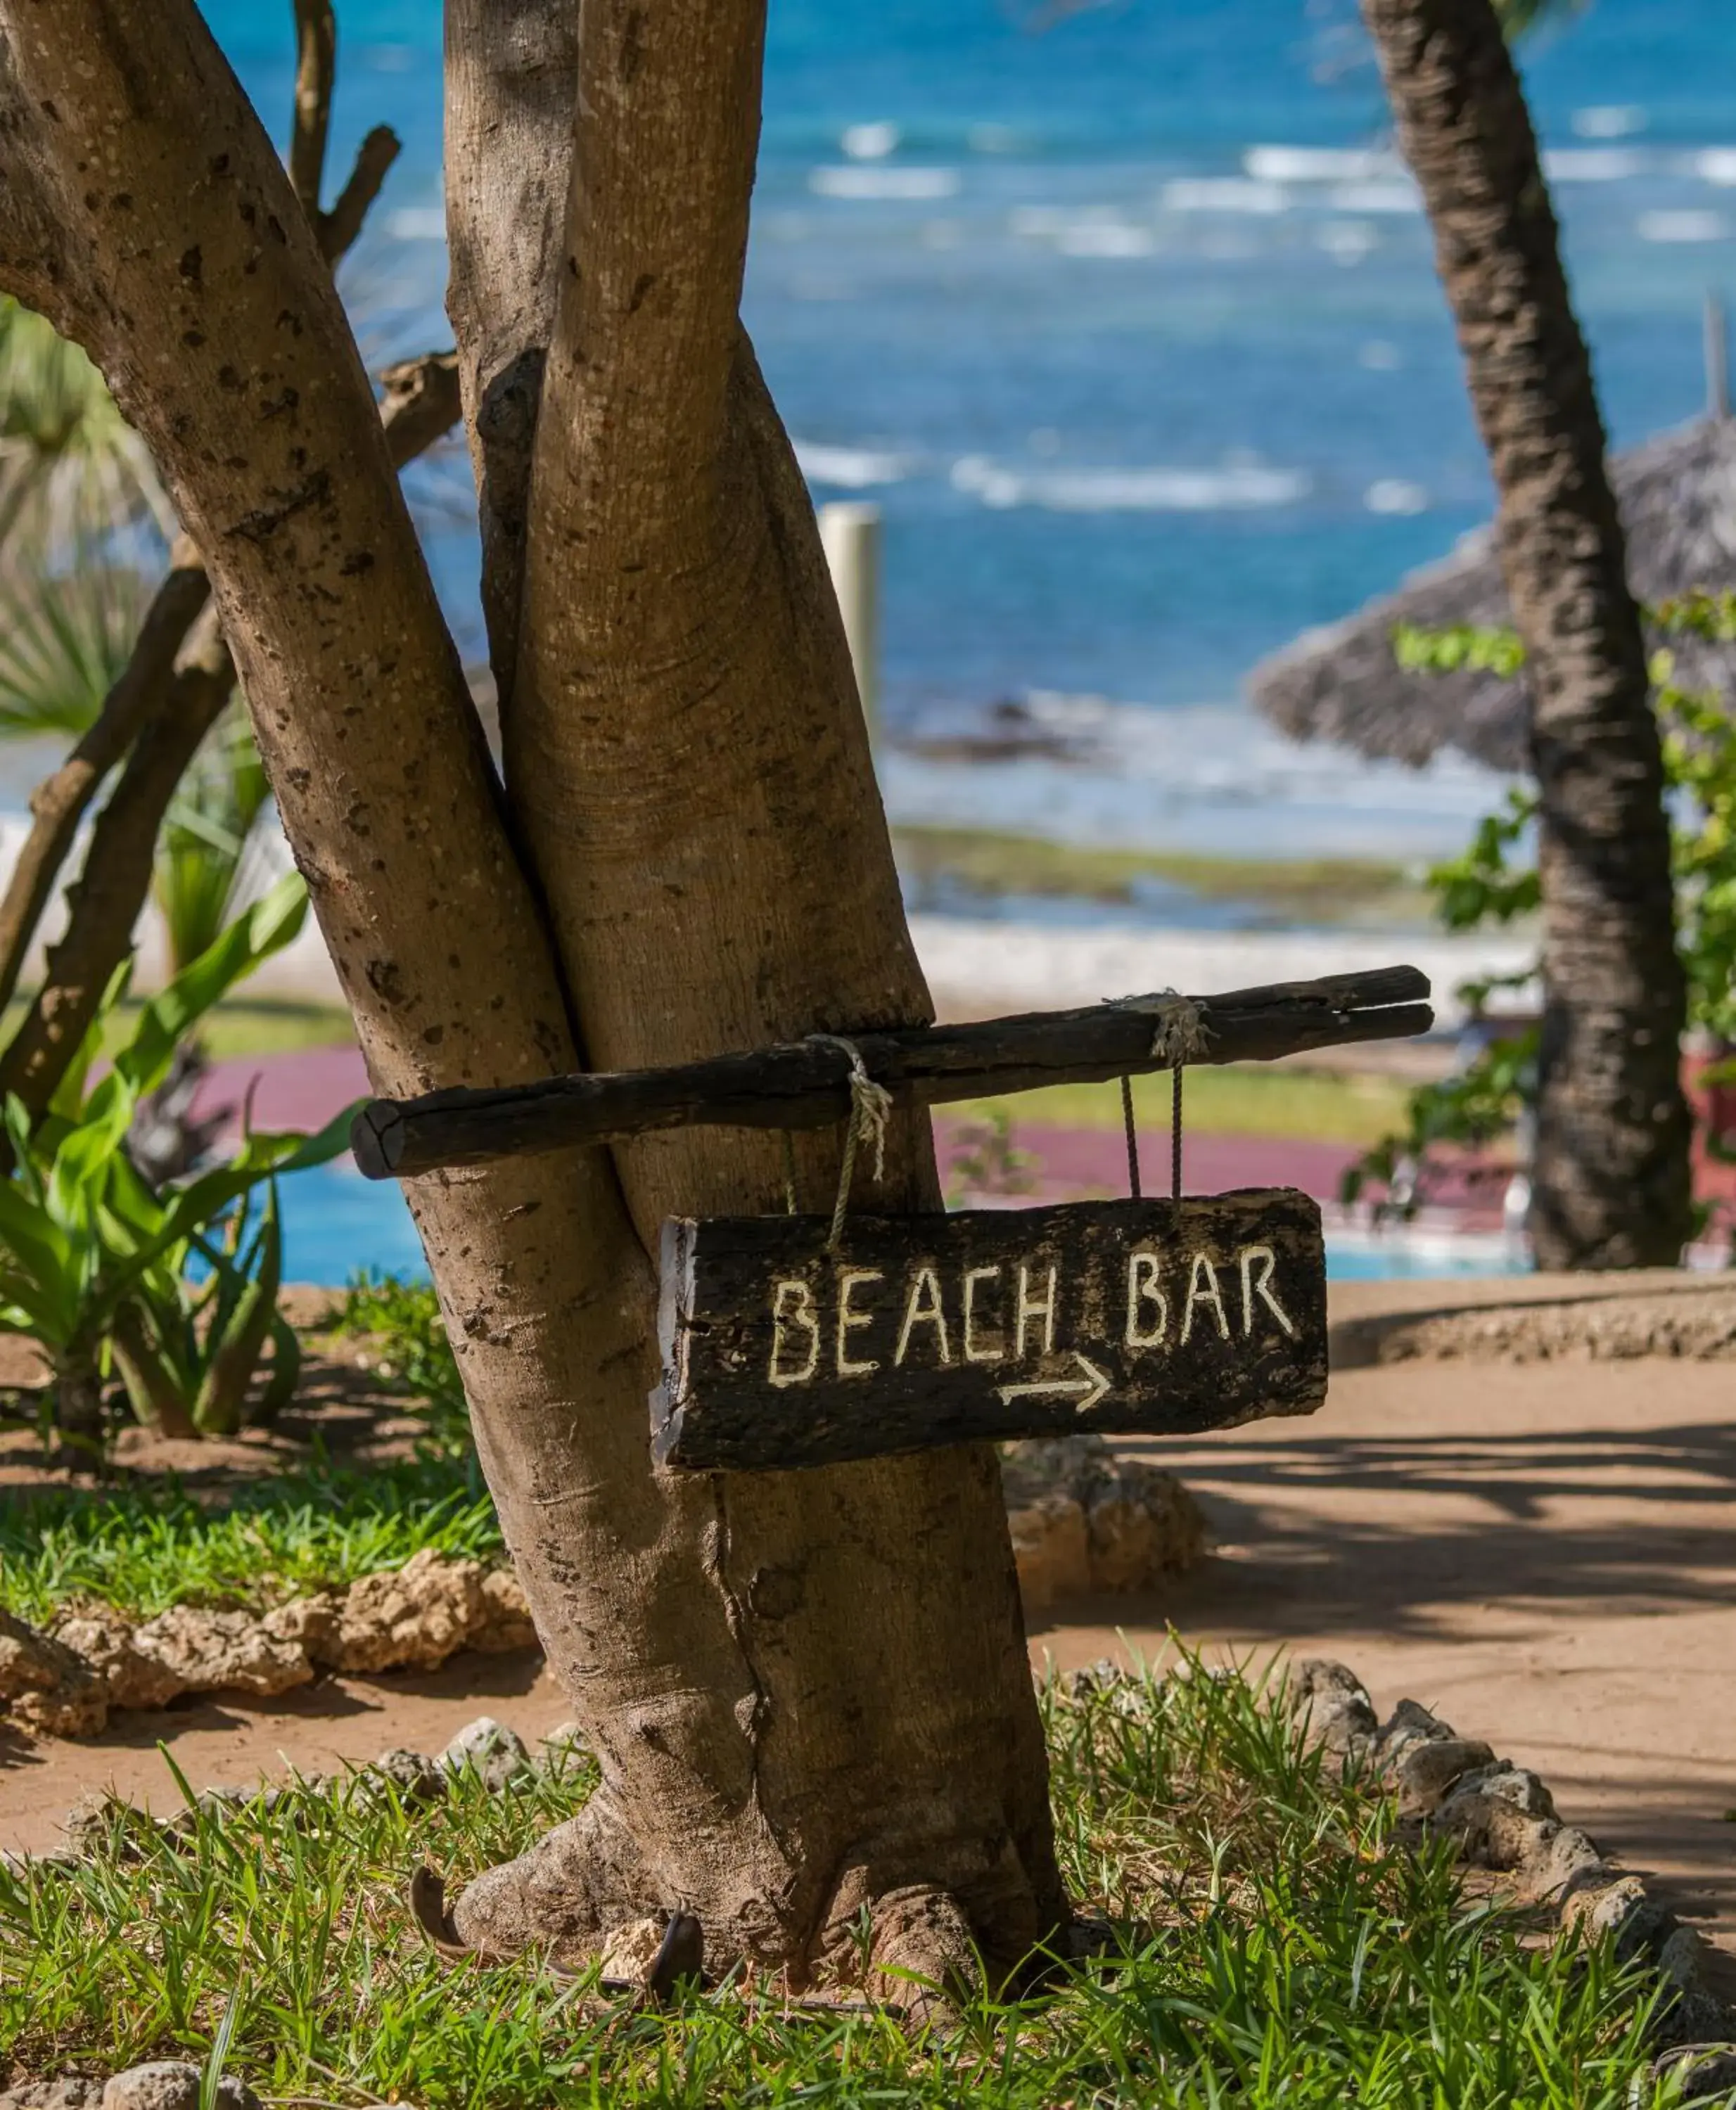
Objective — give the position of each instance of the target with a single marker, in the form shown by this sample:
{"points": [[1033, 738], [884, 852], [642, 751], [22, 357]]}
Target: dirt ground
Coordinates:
{"points": [[1543, 1550]]}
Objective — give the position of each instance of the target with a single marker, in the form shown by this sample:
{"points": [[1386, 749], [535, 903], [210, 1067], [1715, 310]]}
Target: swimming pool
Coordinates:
{"points": [[335, 1223]]}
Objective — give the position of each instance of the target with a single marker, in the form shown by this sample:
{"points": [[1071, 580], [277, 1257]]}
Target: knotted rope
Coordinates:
{"points": [[1181, 1031], [1181, 1035], [870, 1108]]}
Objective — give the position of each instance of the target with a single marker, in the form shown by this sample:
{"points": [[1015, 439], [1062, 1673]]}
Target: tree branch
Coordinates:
{"points": [[220, 329], [338, 228], [109, 892], [168, 705], [806, 1084], [511, 76], [421, 403], [317, 74], [58, 804], [641, 362]]}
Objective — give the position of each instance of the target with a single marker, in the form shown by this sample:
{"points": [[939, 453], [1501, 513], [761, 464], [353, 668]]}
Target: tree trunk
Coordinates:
{"points": [[1611, 1178], [810, 1697]]}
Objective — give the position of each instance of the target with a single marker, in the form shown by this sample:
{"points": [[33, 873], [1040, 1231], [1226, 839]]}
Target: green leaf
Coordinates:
{"points": [[69, 1094], [233, 1351], [286, 1373], [65, 642], [84, 1159], [266, 928]]}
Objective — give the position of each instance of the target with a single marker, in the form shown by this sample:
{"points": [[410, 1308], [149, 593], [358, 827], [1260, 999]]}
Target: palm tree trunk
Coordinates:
{"points": [[1611, 1178]]}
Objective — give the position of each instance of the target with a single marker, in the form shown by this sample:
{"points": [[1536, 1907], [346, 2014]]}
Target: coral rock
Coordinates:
{"points": [[630, 1949], [29, 1661], [46, 1687], [1432, 1768], [129, 1675], [72, 2092], [414, 1775], [1409, 1724], [506, 1622], [1706, 2071], [220, 1652], [494, 1752], [172, 2083], [1083, 1520], [564, 1749], [1051, 1547], [416, 1616], [1339, 1713], [309, 1624], [1502, 1817]]}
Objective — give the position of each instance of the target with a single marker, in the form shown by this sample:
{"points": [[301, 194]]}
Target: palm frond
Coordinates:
{"points": [[73, 473], [208, 860], [63, 643]]}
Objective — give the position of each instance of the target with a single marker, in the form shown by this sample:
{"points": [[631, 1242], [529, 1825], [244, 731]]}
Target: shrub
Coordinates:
{"points": [[173, 1290]]}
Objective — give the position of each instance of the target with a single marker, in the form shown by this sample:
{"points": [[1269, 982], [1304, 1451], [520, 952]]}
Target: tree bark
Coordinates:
{"points": [[680, 732], [1611, 1178], [316, 76], [809, 1700]]}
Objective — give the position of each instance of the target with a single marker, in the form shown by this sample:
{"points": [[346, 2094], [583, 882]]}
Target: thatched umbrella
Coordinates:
{"points": [[1342, 683]]}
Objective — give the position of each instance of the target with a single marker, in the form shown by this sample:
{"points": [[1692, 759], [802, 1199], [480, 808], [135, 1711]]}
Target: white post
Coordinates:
{"points": [[1717, 360], [850, 532]]}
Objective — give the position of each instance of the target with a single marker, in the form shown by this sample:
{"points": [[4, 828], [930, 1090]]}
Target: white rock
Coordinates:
{"points": [[495, 1753]]}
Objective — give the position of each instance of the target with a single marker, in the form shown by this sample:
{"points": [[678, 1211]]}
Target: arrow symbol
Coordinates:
{"points": [[1094, 1384]]}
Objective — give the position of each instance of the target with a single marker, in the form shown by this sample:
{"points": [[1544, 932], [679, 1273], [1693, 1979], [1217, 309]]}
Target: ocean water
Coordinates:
{"points": [[1124, 314], [336, 1222]]}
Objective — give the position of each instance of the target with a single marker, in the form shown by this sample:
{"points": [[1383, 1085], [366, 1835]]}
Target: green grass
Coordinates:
{"points": [[142, 1550], [1302, 890], [1244, 1098], [240, 1025], [402, 1320], [1272, 1947]]}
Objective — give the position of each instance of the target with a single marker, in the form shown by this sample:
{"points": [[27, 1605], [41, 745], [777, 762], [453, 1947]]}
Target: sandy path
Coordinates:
{"points": [[1545, 1552], [224, 1742]]}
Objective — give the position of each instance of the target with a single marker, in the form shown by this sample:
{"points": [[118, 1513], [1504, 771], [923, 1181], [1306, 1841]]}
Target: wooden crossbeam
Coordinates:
{"points": [[806, 1084]]}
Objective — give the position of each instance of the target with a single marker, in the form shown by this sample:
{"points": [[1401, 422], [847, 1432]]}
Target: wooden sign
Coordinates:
{"points": [[1154, 1318]]}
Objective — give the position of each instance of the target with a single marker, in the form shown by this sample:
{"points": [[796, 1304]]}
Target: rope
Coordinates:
{"points": [[1133, 1138], [789, 1171], [1175, 1132], [870, 1105], [1181, 1034]]}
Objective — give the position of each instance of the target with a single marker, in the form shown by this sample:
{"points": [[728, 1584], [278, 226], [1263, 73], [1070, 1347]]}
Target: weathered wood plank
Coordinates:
{"points": [[806, 1084], [1156, 1318]]}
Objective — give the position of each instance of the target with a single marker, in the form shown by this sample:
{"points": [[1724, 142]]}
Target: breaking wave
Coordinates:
{"points": [[1238, 488]]}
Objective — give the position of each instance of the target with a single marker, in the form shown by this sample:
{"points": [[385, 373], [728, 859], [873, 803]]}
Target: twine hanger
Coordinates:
{"points": [[870, 1108], [1180, 1035]]}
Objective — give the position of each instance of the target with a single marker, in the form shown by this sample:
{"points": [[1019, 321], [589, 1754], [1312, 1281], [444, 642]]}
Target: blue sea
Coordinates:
{"points": [[1125, 315], [336, 1222]]}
